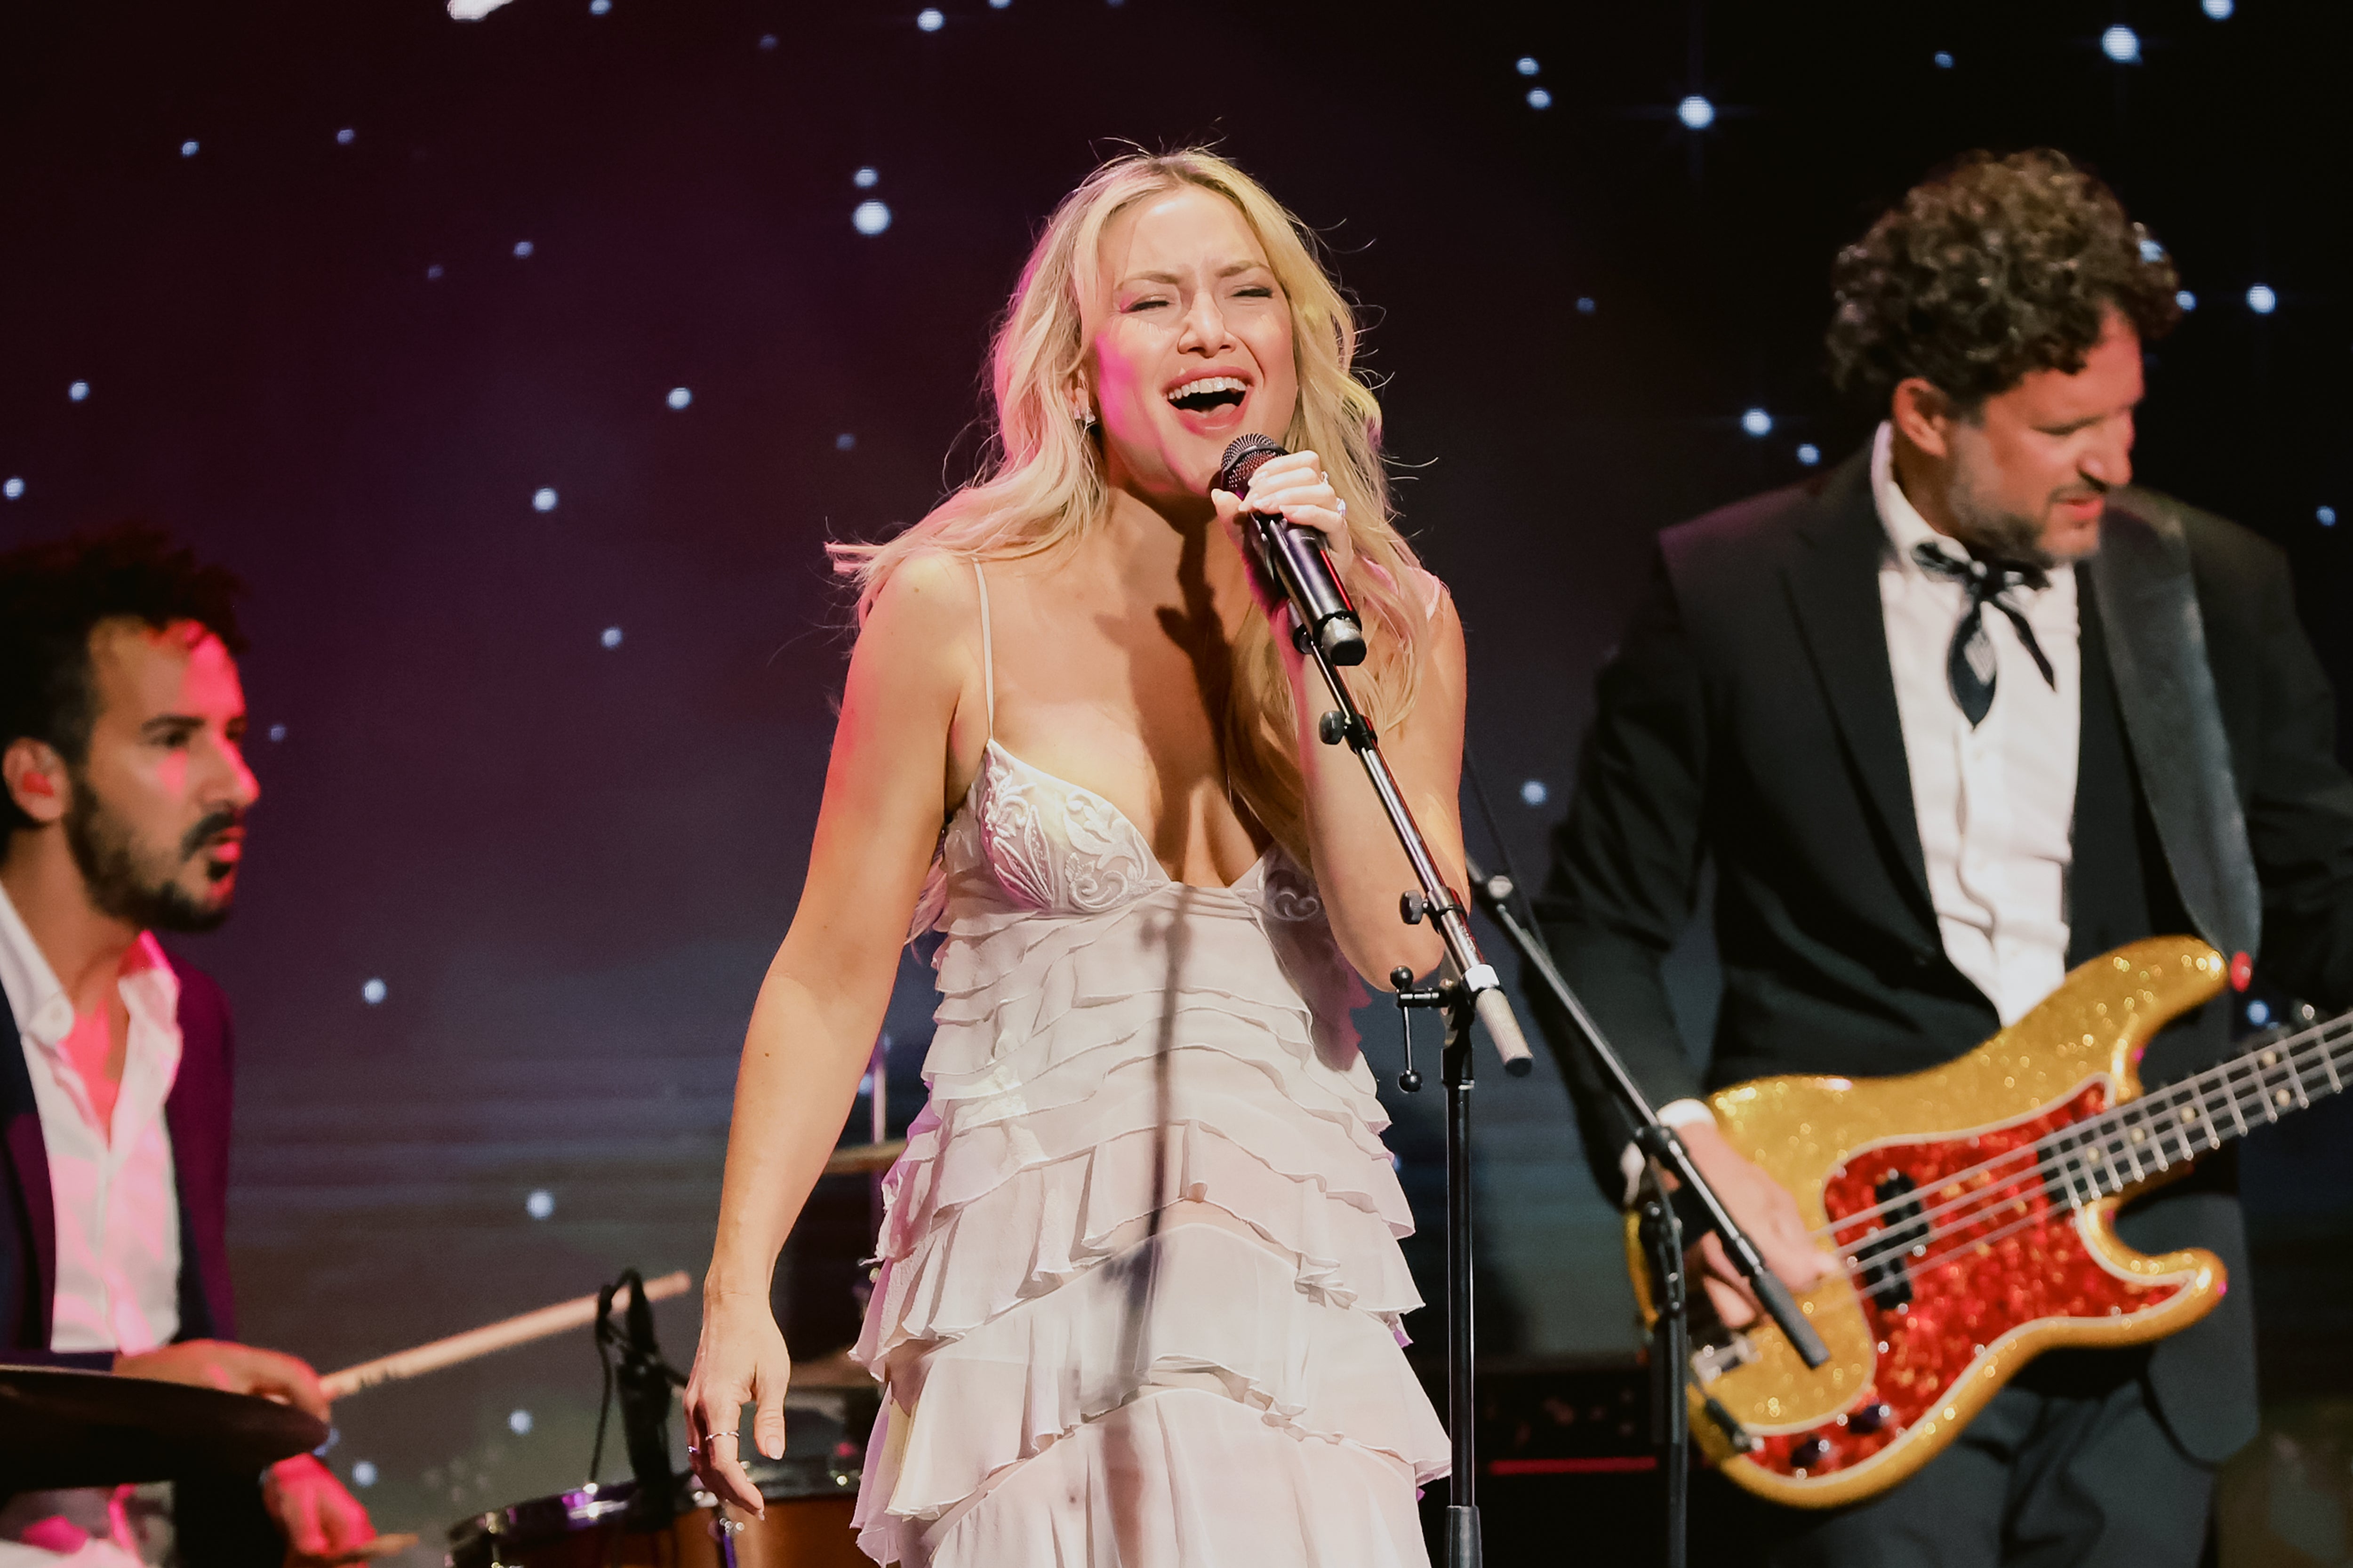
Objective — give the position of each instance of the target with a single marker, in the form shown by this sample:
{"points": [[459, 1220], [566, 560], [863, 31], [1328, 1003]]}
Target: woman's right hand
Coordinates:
{"points": [[741, 1359]]}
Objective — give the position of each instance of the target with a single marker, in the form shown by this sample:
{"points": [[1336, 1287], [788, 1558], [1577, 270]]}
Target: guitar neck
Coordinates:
{"points": [[2119, 1148]]}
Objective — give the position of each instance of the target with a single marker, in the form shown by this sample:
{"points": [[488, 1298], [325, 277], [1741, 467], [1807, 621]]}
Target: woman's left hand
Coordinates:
{"points": [[1296, 488]]}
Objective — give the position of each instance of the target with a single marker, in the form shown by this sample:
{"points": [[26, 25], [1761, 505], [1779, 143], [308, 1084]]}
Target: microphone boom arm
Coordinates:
{"points": [[1481, 986]]}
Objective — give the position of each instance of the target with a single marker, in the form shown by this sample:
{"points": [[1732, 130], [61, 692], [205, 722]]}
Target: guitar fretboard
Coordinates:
{"points": [[2147, 1137]]}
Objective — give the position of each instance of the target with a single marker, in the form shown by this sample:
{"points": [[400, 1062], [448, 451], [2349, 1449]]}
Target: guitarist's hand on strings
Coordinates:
{"points": [[1763, 1208]]}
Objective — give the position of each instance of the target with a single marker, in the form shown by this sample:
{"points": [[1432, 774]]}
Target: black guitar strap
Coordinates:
{"points": [[2155, 641]]}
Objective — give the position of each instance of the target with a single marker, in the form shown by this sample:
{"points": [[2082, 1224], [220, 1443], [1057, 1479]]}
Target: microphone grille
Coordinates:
{"points": [[1244, 456]]}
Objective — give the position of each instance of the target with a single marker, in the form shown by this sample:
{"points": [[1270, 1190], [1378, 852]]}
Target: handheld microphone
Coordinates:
{"points": [[1294, 560]]}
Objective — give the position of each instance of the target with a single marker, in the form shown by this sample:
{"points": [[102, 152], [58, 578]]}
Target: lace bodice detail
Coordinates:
{"points": [[1025, 840]]}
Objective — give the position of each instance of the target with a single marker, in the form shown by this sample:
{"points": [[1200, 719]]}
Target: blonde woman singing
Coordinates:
{"points": [[1140, 1290]]}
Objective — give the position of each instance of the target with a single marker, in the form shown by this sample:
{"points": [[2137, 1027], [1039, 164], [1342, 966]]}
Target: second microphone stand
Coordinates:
{"points": [[1662, 1228]]}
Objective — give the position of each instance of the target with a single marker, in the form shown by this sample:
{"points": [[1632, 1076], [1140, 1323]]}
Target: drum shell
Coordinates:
{"points": [[809, 1505]]}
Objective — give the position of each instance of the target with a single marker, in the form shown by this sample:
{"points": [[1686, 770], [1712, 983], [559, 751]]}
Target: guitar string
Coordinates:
{"points": [[2070, 1163], [2168, 1096], [2069, 1139], [2220, 1072]]}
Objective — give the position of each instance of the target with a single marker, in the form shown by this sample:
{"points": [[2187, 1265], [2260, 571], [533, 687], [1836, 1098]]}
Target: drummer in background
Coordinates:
{"points": [[120, 723]]}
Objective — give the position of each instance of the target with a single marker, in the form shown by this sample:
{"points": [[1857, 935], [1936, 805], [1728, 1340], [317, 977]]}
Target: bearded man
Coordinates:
{"points": [[122, 724], [1962, 713]]}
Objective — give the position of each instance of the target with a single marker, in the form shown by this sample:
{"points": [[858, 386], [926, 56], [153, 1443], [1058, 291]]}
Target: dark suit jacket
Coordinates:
{"points": [[1748, 719], [198, 1115], [219, 1522]]}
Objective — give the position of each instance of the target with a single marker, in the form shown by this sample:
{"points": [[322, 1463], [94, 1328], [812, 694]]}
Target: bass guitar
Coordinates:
{"points": [[1973, 1208]]}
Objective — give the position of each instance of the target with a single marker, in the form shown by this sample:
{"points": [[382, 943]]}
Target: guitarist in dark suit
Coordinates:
{"points": [[1964, 712], [122, 720]]}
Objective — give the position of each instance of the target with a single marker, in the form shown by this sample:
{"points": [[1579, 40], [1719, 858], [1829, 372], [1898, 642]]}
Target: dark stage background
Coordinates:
{"points": [[386, 310]]}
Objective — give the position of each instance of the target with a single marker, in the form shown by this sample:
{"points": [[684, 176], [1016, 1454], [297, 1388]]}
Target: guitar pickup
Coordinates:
{"points": [[1884, 1274]]}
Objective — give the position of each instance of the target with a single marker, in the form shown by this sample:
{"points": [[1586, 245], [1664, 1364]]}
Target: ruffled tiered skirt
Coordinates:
{"points": [[1140, 1289]]}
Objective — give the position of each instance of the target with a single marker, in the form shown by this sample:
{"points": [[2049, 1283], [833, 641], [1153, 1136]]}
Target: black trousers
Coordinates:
{"points": [[2069, 1467]]}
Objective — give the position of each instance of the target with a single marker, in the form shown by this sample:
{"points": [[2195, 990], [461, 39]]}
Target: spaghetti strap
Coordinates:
{"points": [[988, 653]]}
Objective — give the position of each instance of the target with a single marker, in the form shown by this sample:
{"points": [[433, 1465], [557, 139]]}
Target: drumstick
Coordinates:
{"points": [[367, 1551], [577, 1313]]}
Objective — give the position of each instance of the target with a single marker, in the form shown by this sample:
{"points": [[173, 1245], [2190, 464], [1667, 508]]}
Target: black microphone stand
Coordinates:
{"points": [[1662, 1235], [1467, 987]]}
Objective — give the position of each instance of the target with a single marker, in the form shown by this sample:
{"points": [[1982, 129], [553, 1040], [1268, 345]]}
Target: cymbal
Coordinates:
{"points": [[61, 1427], [858, 1159]]}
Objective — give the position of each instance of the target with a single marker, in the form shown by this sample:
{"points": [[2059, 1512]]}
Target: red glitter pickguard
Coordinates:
{"points": [[2017, 1259]]}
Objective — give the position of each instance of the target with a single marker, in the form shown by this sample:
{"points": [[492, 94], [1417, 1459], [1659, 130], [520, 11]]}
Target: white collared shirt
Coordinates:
{"points": [[116, 1197], [1995, 805]]}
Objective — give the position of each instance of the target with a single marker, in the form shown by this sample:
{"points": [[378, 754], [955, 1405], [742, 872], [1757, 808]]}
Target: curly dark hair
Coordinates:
{"points": [[1990, 271], [54, 594]]}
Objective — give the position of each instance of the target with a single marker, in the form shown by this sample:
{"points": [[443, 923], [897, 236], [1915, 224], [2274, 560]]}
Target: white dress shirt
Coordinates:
{"points": [[117, 1204], [1995, 805]]}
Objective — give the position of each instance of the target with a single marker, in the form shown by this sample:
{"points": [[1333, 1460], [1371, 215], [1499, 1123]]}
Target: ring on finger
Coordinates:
{"points": [[1340, 507]]}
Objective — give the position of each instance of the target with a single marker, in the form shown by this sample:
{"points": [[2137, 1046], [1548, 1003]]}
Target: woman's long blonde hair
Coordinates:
{"points": [[1043, 485]]}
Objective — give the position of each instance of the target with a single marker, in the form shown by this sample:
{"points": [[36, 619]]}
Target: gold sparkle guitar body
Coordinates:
{"points": [[1973, 1207]]}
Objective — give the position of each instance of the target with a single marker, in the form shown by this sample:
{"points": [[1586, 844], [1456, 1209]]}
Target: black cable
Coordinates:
{"points": [[605, 1359], [1495, 833]]}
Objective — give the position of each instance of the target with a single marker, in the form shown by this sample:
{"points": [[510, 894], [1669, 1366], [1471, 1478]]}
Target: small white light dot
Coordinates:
{"points": [[1534, 792], [77, 391], [2326, 516], [543, 499], [930, 20], [2258, 1013], [539, 1203], [2121, 45], [188, 149], [519, 1422], [1757, 421], [865, 179], [2151, 251], [2261, 301], [866, 1085], [599, 7], [1696, 112], [1809, 454], [1944, 59], [523, 248], [2186, 300], [433, 273], [767, 40], [364, 1474], [1538, 98], [2218, 9], [1585, 305], [678, 397], [14, 489], [277, 732], [998, 5], [870, 217], [344, 138], [611, 636], [845, 442], [374, 993], [1528, 65]]}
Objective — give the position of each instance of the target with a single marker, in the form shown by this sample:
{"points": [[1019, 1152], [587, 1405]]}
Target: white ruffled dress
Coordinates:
{"points": [[1068, 1380]]}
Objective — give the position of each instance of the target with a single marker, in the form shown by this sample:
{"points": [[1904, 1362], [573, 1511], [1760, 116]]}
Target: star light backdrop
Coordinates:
{"points": [[522, 364]]}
